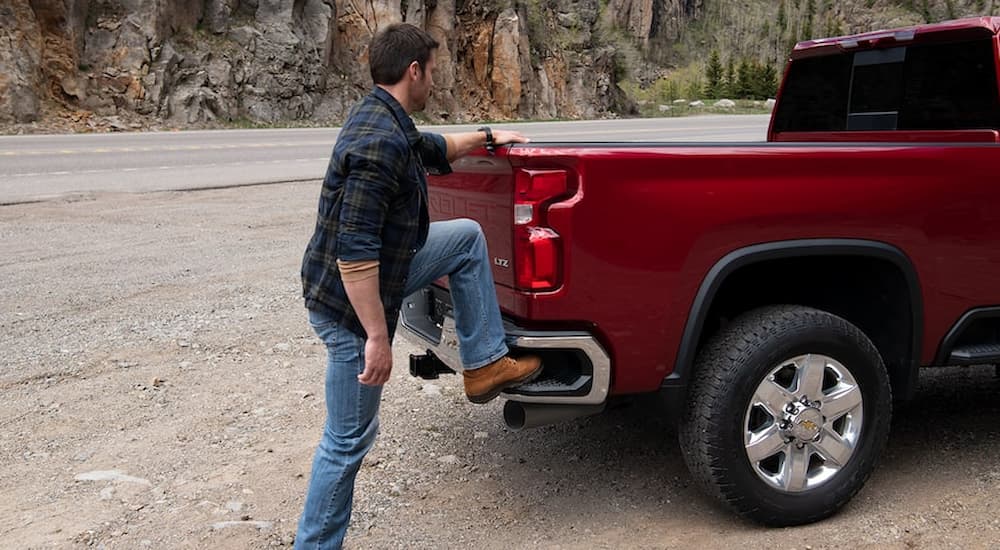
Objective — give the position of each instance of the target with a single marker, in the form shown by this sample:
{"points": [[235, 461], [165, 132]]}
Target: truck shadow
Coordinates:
{"points": [[628, 458], [956, 410]]}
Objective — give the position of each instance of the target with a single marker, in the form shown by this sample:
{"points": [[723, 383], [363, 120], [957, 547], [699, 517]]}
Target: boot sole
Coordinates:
{"points": [[492, 394]]}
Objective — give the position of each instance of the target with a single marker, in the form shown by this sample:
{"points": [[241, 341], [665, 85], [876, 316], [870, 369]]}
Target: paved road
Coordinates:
{"points": [[40, 167]]}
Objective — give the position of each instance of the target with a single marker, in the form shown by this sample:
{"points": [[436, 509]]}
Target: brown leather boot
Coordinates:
{"points": [[484, 384]]}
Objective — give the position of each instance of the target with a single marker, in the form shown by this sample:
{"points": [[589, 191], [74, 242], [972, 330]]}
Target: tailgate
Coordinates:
{"points": [[481, 188]]}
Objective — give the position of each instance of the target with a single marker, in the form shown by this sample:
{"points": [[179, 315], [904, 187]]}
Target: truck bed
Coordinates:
{"points": [[644, 224]]}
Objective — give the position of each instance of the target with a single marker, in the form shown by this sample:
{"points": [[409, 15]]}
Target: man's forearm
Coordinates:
{"points": [[462, 143], [364, 297]]}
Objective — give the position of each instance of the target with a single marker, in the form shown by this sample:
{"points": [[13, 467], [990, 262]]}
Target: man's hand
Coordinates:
{"points": [[503, 137], [378, 361], [461, 144], [364, 296]]}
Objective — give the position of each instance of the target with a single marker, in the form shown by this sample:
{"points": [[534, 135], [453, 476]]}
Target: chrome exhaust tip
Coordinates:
{"points": [[518, 415]]}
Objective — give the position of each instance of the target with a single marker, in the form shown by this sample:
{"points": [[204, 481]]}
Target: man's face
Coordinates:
{"points": [[420, 89]]}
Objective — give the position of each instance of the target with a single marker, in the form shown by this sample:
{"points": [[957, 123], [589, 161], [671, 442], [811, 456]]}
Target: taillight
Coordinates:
{"points": [[537, 247]]}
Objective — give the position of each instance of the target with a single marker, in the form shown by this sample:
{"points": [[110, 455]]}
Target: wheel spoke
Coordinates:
{"points": [[809, 378], [795, 469], [765, 444], [840, 403], [773, 397], [832, 448]]}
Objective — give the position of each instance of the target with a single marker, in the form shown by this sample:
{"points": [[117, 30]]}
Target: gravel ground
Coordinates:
{"points": [[161, 389]]}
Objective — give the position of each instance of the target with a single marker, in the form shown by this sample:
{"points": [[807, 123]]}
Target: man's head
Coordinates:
{"points": [[401, 56]]}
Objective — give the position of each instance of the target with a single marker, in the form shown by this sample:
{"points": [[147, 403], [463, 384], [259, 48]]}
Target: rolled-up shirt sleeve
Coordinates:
{"points": [[373, 173], [433, 151]]}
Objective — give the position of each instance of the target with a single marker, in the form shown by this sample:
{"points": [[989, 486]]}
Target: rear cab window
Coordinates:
{"points": [[949, 85]]}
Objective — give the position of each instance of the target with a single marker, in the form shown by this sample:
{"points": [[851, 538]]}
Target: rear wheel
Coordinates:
{"points": [[787, 414]]}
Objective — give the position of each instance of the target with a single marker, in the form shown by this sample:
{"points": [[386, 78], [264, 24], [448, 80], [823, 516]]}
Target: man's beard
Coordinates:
{"points": [[423, 103]]}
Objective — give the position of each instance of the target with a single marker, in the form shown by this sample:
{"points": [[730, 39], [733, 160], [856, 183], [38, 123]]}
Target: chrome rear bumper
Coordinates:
{"points": [[577, 369]]}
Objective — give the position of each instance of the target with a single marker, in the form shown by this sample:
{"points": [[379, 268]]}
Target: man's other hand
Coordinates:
{"points": [[378, 362]]}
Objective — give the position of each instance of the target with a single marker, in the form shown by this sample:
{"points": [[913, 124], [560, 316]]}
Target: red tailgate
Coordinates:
{"points": [[481, 188]]}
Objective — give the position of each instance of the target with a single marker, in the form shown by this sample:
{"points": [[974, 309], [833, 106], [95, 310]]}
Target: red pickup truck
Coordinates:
{"points": [[780, 294]]}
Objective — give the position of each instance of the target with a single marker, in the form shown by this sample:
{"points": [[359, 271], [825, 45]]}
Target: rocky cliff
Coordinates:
{"points": [[191, 61], [261, 61]]}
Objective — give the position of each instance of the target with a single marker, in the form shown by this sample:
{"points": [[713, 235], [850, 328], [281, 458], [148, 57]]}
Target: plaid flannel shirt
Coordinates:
{"points": [[373, 206]]}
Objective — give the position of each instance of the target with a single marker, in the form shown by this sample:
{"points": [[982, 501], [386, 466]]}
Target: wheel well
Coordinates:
{"points": [[872, 293]]}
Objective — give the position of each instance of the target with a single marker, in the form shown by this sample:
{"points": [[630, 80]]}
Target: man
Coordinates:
{"points": [[373, 245]]}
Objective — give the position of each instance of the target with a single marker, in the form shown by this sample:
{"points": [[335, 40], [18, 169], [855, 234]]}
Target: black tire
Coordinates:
{"points": [[727, 373]]}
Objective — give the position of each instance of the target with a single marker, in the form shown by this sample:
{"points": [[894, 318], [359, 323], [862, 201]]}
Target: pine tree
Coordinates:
{"points": [[782, 17], [744, 80], [729, 88], [713, 76], [769, 82], [754, 80], [694, 88]]}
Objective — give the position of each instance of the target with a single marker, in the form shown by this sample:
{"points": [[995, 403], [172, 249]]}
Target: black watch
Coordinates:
{"points": [[491, 146]]}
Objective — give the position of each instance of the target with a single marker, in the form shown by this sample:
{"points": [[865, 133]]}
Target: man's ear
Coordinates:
{"points": [[414, 70]]}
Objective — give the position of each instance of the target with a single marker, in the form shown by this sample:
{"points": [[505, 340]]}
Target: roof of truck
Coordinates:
{"points": [[897, 36]]}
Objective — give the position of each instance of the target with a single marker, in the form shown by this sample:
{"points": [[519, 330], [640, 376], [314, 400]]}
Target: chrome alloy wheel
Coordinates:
{"points": [[803, 423]]}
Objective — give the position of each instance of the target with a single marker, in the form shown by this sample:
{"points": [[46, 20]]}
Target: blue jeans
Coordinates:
{"points": [[455, 248]]}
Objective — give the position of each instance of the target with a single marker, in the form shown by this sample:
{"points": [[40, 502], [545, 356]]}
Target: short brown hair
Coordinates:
{"points": [[394, 48]]}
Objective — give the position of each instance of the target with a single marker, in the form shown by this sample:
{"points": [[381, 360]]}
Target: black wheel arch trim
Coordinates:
{"points": [[792, 249], [964, 322]]}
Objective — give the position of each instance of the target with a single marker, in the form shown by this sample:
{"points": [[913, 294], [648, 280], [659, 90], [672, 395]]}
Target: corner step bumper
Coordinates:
{"points": [[984, 354], [576, 369]]}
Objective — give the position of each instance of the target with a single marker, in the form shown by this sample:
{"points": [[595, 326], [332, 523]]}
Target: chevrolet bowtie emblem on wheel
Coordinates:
{"points": [[809, 425]]}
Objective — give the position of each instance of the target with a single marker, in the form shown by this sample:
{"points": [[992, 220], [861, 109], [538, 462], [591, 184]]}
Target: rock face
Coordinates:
{"points": [[20, 63], [196, 61], [191, 61]]}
